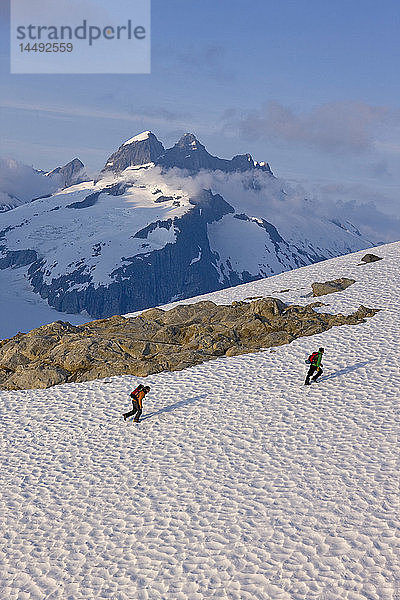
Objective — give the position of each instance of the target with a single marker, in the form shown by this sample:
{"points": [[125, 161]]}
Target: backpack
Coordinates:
{"points": [[312, 359], [139, 388]]}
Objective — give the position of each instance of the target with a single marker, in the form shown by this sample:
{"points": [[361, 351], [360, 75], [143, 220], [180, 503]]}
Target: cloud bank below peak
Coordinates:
{"points": [[347, 127]]}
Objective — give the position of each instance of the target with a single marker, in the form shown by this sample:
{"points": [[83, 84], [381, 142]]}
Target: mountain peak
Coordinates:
{"points": [[139, 150], [71, 173], [189, 142], [188, 153], [188, 138]]}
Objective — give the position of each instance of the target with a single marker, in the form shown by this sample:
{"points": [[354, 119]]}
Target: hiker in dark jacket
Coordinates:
{"points": [[137, 398], [315, 366]]}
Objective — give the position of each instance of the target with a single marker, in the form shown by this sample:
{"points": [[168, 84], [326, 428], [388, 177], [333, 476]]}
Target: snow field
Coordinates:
{"points": [[239, 483]]}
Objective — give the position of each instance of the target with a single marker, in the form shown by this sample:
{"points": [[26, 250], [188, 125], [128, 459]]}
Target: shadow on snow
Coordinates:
{"points": [[172, 407], [346, 370]]}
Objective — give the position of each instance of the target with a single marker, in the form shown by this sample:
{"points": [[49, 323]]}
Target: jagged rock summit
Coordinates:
{"points": [[71, 173], [139, 150], [188, 153]]}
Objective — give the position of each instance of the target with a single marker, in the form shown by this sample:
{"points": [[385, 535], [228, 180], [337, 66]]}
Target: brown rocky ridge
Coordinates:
{"points": [[329, 287], [157, 340]]}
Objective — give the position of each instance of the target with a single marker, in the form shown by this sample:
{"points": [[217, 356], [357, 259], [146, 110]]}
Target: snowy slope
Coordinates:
{"points": [[239, 483]]}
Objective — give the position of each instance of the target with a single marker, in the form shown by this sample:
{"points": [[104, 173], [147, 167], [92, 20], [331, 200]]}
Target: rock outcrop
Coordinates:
{"points": [[157, 340], [329, 287], [369, 258]]}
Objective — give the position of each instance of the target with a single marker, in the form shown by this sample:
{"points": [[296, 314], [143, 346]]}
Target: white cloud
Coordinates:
{"points": [[367, 209], [22, 182], [335, 127]]}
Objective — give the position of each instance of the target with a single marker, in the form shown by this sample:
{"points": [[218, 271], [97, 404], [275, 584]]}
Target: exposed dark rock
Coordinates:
{"points": [[369, 258], [18, 258], [188, 153], [329, 287], [90, 200], [157, 340], [116, 189], [164, 199], [144, 233], [212, 207]]}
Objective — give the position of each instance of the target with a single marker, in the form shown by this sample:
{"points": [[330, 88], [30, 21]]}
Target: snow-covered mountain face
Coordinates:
{"points": [[166, 227], [20, 183]]}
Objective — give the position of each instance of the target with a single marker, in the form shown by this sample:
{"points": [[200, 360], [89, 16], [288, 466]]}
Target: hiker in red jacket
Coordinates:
{"points": [[315, 359], [137, 397]]}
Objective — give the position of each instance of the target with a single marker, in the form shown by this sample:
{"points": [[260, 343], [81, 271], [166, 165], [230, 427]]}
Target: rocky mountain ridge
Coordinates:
{"points": [[188, 153], [158, 340]]}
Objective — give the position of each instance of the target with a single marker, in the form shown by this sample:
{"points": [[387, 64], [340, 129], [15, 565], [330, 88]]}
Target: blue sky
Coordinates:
{"points": [[310, 86]]}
